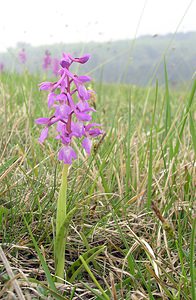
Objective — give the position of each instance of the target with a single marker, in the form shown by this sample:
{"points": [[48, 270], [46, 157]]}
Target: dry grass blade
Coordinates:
{"points": [[20, 159], [11, 275], [114, 294]]}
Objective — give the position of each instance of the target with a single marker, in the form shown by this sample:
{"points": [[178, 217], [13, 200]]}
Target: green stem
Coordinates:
{"points": [[60, 217], [93, 278]]}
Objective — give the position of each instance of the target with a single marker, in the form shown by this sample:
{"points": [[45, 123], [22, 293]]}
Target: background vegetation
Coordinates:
{"points": [[135, 61]]}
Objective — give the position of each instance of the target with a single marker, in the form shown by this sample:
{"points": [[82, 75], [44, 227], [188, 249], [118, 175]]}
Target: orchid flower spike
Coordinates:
{"points": [[69, 99]]}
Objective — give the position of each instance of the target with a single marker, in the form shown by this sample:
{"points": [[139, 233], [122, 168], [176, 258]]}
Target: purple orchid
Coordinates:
{"points": [[47, 60], [1, 67], [68, 97], [22, 56], [66, 154]]}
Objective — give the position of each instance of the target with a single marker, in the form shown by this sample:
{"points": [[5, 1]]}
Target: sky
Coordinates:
{"points": [[44, 22]]}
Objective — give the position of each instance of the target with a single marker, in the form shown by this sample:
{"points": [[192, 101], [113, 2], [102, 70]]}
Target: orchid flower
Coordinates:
{"points": [[22, 56], [68, 98]]}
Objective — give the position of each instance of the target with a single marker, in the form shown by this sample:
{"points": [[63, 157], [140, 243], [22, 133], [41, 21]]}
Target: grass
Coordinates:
{"points": [[132, 233]]}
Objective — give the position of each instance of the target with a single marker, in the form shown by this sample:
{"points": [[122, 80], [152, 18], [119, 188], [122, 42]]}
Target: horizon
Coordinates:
{"points": [[98, 42]]}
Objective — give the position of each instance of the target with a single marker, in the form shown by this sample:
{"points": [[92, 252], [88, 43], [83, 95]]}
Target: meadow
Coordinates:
{"points": [[132, 233]]}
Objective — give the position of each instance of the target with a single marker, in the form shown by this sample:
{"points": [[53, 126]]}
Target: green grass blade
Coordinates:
{"points": [[41, 258], [168, 112], [149, 187], [93, 278], [130, 258], [77, 266], [99, 297], [190, 101], [192, 261], [193, 132], [128, 158], [150, 164], [167, 99]]}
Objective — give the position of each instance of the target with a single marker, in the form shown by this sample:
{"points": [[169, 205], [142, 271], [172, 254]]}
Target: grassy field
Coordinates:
{"points": [[132, 235]]}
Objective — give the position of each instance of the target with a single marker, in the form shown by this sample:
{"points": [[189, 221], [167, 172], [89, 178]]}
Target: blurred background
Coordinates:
{"points": [[128, 40]]}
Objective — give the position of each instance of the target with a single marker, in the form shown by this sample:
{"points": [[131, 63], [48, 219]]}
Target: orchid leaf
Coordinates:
{"points": [[77, 266]]}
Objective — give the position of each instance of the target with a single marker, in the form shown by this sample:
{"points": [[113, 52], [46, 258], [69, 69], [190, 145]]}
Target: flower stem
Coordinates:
{"points": [[60, 217]]}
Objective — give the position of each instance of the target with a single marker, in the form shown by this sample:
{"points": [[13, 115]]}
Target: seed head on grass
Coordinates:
{"points": [[68, 98]]}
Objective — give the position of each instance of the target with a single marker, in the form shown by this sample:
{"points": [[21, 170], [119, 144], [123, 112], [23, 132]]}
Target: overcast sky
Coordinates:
{"points": [[41, 22]]}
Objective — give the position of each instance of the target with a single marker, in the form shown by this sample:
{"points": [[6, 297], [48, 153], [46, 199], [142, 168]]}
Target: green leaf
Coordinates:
{"points": [[59, 245], [77, 266], [63, 231]]}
